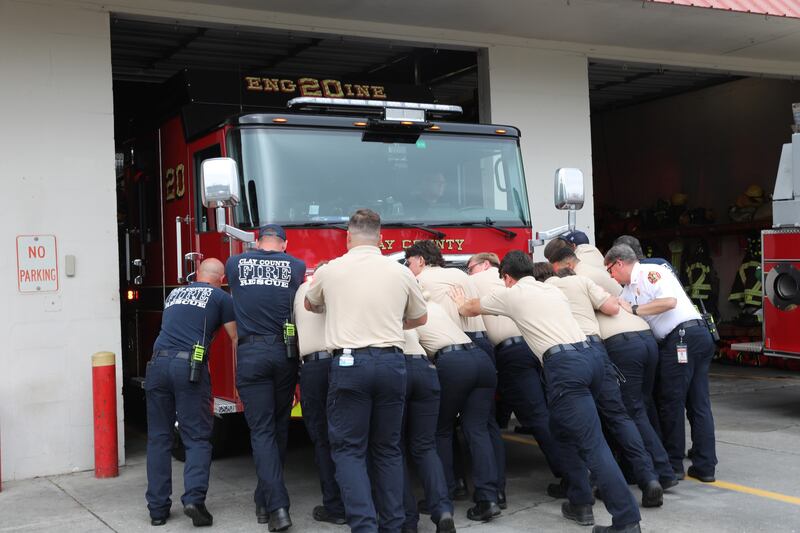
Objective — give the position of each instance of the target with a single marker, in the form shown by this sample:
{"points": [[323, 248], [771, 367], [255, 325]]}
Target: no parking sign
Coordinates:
{"points": [[37, 263]]}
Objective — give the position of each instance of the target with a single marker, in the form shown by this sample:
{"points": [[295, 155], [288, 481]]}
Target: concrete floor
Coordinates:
{"points": [[758, 489]]}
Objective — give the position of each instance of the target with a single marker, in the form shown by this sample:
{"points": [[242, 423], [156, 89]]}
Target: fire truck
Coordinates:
{"points": [[780, 259], [305, 152]]}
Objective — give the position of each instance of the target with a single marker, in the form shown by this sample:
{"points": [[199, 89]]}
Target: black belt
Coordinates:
{"points": [[628, 335], [171, 353], [511, 341], [558, 348], [686, 325], [594, 338], [268, 339], [477, 334], [417, 356], [367, 350], [455, 348], [316, 356]]}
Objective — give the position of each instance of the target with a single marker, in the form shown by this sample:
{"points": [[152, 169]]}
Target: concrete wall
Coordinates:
{"points": [[545, 93], [57, 171]]}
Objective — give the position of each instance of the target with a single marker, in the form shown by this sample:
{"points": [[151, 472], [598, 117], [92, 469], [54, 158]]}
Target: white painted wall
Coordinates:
{"points": [[57, 172], [545, 93]]}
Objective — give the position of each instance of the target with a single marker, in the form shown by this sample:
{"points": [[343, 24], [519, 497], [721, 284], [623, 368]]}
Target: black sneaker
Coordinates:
{"points": [[321, 514], [199, 514], [582, 514], [160, 521]]}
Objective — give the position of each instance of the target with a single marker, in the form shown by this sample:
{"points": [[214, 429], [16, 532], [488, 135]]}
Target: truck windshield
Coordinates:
{"points": [[311, 176]]}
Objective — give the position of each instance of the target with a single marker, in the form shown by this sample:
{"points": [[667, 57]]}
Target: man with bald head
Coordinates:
{"points": [[192, 315]]}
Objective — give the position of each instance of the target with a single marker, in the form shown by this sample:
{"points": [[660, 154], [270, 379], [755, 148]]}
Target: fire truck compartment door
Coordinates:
{"points": [[782, 286]]}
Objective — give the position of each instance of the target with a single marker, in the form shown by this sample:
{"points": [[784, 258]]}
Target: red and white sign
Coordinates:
{"points": [[37, 263]]}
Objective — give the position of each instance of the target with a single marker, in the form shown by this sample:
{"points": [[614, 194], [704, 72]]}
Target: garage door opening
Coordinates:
{"points": [[685, 160], [152, 190]]}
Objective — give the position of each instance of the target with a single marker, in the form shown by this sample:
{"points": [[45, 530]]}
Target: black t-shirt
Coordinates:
{"points": [[188, 312], [263, 285]]}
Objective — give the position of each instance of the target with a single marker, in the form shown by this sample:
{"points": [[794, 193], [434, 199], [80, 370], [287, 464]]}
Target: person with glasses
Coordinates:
{"points": [[632, 347], [685, 351], [519, 373], [573, 375], [426, 262], [192, 315], [585, 298]]}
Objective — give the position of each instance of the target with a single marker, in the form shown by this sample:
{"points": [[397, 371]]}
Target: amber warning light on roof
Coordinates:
{"points": [[314, 87]]}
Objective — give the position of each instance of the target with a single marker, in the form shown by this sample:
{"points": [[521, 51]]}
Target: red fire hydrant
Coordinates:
{"points": [[104, 389]]}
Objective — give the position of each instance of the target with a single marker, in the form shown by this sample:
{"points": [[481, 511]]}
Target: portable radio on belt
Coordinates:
{"points": [[198, 358], [682, 349], [196, 364], [290, 339], [709, 319]]}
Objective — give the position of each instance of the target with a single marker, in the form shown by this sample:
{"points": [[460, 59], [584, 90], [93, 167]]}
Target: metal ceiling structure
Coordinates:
{"points": [[144, 51]]}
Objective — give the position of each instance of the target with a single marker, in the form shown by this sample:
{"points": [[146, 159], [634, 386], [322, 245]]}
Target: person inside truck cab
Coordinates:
{"points": [[428, 194]]}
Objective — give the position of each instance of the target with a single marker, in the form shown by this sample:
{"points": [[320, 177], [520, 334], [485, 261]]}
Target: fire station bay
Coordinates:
{"points": [[143, 137]]}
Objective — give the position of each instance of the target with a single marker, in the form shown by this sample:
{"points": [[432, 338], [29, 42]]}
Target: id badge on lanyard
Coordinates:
{"points": [[682, 349]]}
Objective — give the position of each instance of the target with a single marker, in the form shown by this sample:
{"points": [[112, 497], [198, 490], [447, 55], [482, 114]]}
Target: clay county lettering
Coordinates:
{"points": [[264, 272]]}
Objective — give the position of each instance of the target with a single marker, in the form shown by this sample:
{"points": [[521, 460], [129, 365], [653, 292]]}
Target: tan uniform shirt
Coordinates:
{"points": [[499, 328], [584, 296], [310, 326], [589, 254], [437, 281], [621, 322], [366, 297], [413, 347], [440, 330], [540, 311]]}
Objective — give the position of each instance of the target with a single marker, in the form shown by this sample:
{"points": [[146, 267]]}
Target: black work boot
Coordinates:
{"points": [[446, 524], [483, 511], [199, 514], [582, 514], [321, 514], [630, 528], [652, 494], [279, 520]]}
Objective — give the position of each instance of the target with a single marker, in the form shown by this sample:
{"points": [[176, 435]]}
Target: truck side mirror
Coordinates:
{"points": [[220, 178], [568, 189]]}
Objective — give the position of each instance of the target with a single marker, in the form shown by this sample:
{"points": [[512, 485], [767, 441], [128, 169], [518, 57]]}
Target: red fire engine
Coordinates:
{"points": [[338, 146]]}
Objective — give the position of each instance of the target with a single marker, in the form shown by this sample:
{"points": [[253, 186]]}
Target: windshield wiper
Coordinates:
{"points": [[436, 233], [489, 223], [328, 224]]}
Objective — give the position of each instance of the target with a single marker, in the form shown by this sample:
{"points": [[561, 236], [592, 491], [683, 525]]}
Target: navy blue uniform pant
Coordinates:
{"points": [[468, 380], [365, 414], [683, 388], [313, 400], [618, 423], [635, 353], [266, 381], [498, 445], [422, 410], [169, 394], [574, 379], [519, 381]]}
